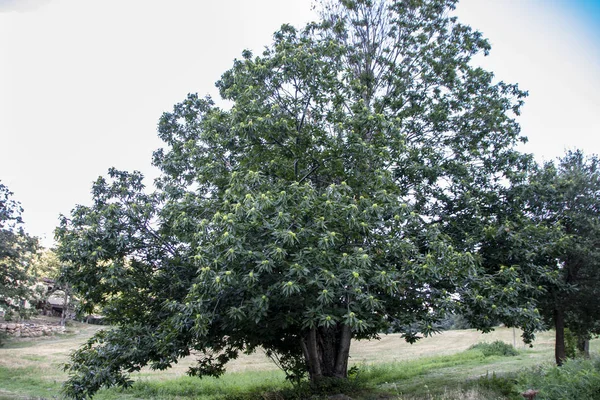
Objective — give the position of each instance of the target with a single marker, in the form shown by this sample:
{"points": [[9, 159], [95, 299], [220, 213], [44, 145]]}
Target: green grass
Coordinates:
{"points": [[237, 385], [26, 381], [32, 357], [18, 345], [430, 375]]}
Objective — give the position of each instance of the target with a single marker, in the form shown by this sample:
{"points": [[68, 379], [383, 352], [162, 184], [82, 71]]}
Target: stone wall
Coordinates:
{"points": [[30, 330]]}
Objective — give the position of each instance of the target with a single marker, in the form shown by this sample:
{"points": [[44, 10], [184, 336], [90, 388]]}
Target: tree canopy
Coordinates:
{"points": [[345, 193]]}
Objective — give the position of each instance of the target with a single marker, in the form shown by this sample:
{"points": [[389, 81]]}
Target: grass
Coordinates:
{"points": [[432, 375], [28, 381], [250, 384], [446, 366]]}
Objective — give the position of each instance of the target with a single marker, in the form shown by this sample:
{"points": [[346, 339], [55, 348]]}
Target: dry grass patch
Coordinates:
{"points": [[49, 353], [392, 348]]}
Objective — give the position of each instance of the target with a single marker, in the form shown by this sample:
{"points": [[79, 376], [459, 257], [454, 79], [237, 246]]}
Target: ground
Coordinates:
{"points": [[38, 363]]}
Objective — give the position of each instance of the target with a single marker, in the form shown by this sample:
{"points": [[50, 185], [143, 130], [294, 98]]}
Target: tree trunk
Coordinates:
{"points": [[559, 346], [583, 345], [65, 310], [326, 351]]}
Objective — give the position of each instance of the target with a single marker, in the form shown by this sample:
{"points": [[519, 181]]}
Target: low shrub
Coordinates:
{"points": [[505, 385], [576, 379], [497, 348]]}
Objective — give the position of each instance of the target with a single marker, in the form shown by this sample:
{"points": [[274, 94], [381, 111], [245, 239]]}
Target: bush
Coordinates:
{"points": [[497, 348], [499, 385], [9, 315], [576, 379]]}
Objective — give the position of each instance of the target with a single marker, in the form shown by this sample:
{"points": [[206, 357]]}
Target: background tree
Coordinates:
{"points": [[568, 195], [330, 202], [550, 237], [16, 252], [46, 264]]}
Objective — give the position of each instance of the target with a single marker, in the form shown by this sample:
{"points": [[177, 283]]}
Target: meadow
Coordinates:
{"points": [[444, 366]]}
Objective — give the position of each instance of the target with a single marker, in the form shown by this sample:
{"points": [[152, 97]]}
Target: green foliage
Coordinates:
{"points": [[46, 264], [575, 379], [505, 385], [571, 350], [17, 250], [549, 237], [496, 348], [567, 195], [345, 193]]}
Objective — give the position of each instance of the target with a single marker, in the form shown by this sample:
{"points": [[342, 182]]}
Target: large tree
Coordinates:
{"points": [[17, 250], [344, 194]]}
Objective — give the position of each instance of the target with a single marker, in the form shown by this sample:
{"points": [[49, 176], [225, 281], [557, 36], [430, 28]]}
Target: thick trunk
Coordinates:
{"points": [[559, 347], [341, 362], [326, 351], [583, 345], [312, 356]]}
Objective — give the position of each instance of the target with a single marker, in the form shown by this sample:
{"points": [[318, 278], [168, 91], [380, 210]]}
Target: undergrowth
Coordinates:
{"points": [[497, 348], [575, 379]]}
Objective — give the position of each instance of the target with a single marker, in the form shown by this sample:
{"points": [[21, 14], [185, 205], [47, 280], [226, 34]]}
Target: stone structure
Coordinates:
{"points": [[30, 330]]}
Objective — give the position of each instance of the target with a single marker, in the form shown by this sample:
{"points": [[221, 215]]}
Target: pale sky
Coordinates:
{"points": [[83, 83]]}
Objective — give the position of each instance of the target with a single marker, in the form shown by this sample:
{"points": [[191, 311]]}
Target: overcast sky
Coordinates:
{"points": [[83, 83]]}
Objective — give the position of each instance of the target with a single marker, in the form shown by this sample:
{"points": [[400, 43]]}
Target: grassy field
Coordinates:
{"points": [[436, 367]]}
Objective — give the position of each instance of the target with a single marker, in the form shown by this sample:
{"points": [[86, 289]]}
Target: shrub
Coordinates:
{"points": [[576, 379], [500, 385], [497, 348]]}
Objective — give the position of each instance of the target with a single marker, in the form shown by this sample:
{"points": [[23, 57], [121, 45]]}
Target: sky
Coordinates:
{"points": [[83, 83]]}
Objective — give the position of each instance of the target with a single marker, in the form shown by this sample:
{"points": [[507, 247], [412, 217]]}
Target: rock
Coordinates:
{"points": [[339, 397], [11, 327], [530, 393]]}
